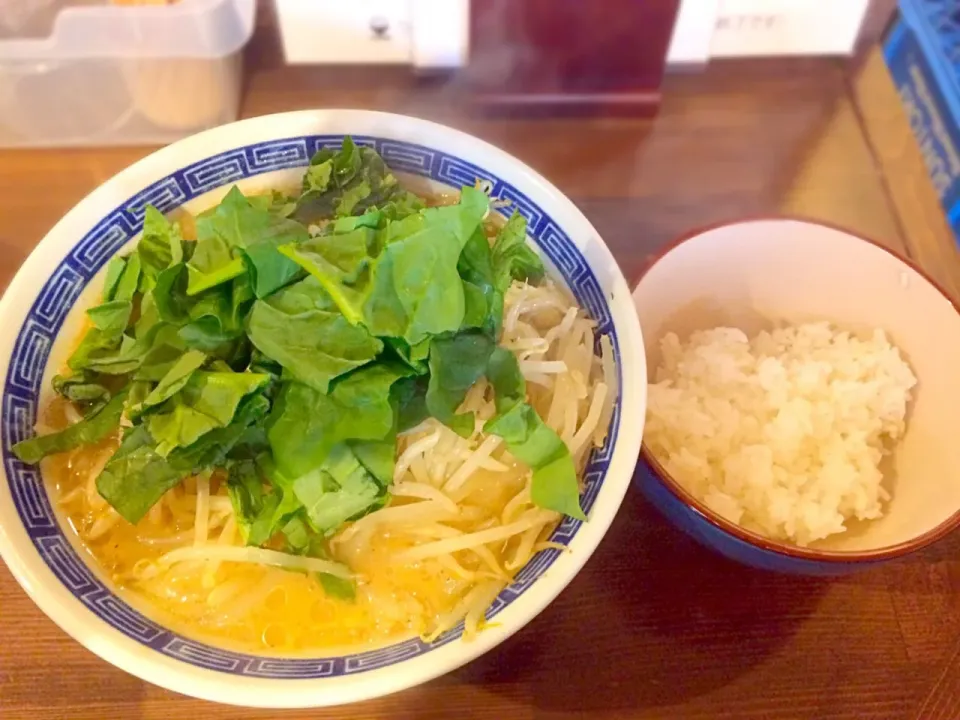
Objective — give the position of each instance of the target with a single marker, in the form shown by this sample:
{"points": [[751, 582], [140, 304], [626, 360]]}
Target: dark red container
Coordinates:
{"points": [[569, 56]]}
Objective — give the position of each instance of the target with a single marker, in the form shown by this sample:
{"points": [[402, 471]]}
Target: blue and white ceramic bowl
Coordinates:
{"points": [[40, 313]]}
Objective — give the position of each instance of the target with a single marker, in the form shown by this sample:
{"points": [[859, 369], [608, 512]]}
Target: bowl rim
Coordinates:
{"points": [[35, 575], [832, 557]]}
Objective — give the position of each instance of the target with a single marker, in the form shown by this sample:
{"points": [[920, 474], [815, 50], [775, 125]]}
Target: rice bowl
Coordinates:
{"points": [[767, 273], [783, 433]]}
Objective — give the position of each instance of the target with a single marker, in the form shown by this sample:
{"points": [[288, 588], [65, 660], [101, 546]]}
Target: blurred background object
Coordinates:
{"points": [[94, 73], [108, 72], [407, 32], [553, 55], [922, 50]]}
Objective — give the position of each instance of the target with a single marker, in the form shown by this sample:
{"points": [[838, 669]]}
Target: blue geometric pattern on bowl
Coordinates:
{"points": [[56, 298]]}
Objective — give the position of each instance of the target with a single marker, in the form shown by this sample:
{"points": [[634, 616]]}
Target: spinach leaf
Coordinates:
{"points": [[301, 540], [243, 437], [158, 345], [415, 290], [463, 219], [137, 392], [340, 490], [400, 206], [484, 300], [109, 319], [411, 288], [348, 182], [83, 389], [503, 372], [301, 297], [414, 356], [317, 178], [223, 267], [338, 273], [410, 394], [306, 423], [213, 322], [169, 296], [276, 202], [89, 430], [455, 365], [94, 345], [554, 484], [285, 505], [160, 245], [297, 534], [314, 346], [115, 269], [260, 512], [338, 587], [249, 499], [512, 258], [136, 477], [377, 456], [176, 377], [271, 269], [372, 219], [129, 280], [237, 232], [207, 401]]}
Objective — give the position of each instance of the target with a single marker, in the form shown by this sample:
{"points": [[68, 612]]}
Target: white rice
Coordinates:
{"points": [[782, 433]]}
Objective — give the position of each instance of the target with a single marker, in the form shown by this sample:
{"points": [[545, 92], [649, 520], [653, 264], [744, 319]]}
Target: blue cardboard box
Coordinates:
{"points": [[922, 51]]}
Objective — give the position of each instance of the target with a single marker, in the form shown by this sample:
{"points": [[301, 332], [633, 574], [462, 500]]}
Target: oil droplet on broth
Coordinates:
{"points": [[274, 636]]}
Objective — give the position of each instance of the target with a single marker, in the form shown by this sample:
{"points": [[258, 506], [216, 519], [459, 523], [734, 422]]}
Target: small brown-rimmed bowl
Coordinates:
{"points": [[755, 273]]}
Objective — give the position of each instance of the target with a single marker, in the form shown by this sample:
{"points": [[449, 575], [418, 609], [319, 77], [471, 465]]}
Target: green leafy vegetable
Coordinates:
{"points": [[260, 512], [340, 489], [305, 423], [314, 346], [455, 365], [240, 232], [411, 398], [136, 477], [336, 263], [289, 344], [84, 389], [115, 269], [377, 456], [129, 280], [111, 317], [415, 290], [337, 587], [349, 182], [208, 400], [176, 377], [160, 246], [554, 484], [89, 430], [512, 258]]}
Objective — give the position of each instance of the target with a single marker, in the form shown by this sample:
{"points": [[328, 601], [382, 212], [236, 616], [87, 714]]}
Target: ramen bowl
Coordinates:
{"points": [[761, 273], [42, 309]]}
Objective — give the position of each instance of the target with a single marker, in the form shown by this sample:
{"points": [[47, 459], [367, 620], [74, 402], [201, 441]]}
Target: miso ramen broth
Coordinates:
{"points": [[457, 515]]}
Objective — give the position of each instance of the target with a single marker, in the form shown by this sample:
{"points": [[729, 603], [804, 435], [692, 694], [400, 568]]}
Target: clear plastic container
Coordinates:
{"points": [[77, 73]]}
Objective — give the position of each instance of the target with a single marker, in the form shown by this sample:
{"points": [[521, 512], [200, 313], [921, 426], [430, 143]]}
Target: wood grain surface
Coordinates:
{"points": [[654, 626]]}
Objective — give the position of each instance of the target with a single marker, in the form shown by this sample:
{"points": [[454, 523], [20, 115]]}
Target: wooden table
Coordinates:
{"points": [[655, 626]]}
